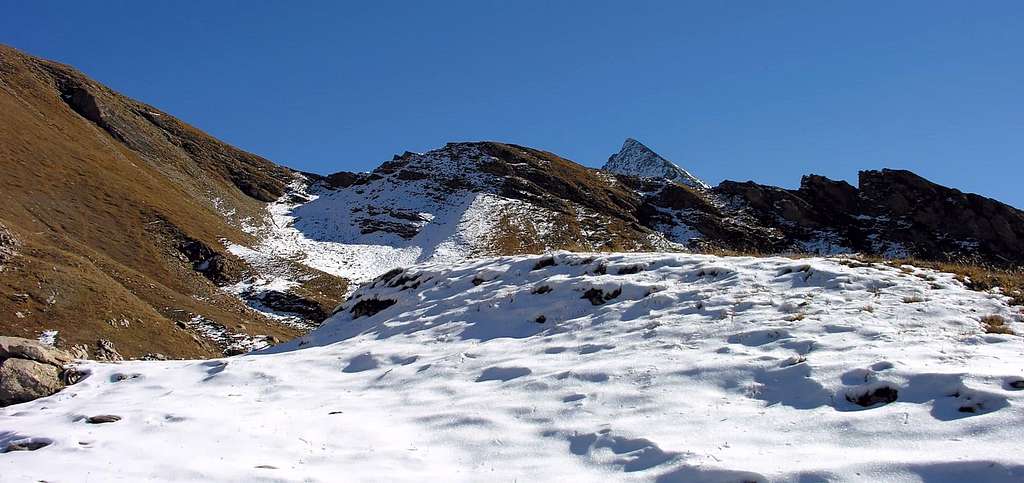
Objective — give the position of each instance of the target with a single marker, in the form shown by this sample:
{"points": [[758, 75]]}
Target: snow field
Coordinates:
{"points": [[575, 367]]}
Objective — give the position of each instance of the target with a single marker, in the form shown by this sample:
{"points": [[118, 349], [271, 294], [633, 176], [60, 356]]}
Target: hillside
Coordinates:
{"points": [[579, 367], [123, 227], [112, 216]]}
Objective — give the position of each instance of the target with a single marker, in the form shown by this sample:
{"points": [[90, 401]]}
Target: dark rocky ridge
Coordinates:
{"points": [[891, 213]]}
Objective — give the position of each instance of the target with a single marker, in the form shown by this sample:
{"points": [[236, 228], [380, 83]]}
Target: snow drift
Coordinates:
{"points": [[573, 367]]}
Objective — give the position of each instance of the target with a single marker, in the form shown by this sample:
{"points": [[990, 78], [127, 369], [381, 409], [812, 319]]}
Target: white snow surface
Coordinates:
{"points": [[693, 368], [636, 159], [453, 215]]}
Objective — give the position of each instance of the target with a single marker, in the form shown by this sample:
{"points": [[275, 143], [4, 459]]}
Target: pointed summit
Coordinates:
{"points": [[635, 159]]}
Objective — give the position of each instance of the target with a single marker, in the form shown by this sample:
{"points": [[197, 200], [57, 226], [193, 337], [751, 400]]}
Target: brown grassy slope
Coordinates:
{"points": [[591, 210], [101, 191]]}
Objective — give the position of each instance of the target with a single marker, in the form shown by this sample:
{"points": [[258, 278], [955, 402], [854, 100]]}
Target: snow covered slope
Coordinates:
{"points": [[573, 367], [635, 159], [447, 205]]}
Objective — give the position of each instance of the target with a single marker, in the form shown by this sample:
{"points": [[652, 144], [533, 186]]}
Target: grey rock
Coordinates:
{"points": [[105, 351], [8, 243], [103, 419], [18, 348], [31, 444], [79, 351], [22, 380]]}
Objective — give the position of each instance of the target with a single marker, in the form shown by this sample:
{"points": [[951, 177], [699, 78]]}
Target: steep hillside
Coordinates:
{"points": [[111, 220], [574, 367]]}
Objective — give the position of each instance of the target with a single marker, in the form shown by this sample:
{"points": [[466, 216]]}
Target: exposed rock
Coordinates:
{"points": [[370, 307], [345, 179], [22, 380], [28, 444], [290, 302], [874, 396], [103, 419], [79, 351], [8, 243], [16, 347], [105, 351], [597, 296], [892, 213], [208, 262], [936, 222]]}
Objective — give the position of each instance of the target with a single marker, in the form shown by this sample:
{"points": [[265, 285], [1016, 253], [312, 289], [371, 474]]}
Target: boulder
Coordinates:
{"points": [[18, 348], [22, 380]]}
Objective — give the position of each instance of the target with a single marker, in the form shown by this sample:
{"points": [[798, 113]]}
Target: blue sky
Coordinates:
{"points": [[739, 90]]}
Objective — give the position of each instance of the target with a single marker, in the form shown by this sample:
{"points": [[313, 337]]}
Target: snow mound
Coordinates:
{"points": [[636, 159], [575, 367]]}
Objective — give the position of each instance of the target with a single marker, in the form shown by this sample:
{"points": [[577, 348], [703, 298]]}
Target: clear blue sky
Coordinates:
{"points": [[729, 90]]}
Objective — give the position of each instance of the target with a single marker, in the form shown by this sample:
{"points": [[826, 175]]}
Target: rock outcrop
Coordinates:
{"points": [[893, 213], [8, 243], [31, 370]]}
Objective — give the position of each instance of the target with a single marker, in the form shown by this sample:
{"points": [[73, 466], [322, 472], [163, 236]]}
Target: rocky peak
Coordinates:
{"points": [[636, 159]]}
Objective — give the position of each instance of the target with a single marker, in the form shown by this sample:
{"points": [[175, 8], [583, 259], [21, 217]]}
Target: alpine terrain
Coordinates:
{"points": [[176, 309]]}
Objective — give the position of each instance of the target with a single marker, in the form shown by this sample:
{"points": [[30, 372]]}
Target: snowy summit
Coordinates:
{"points": [[573, 367], [635, 159]]}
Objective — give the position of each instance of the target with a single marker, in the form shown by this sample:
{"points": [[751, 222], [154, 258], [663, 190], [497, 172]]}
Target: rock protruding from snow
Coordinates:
{"points": [[30, 370], [635, 159]]}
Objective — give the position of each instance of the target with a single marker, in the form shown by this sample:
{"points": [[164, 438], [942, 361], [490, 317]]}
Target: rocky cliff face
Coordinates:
{"points": [[892, 213]]}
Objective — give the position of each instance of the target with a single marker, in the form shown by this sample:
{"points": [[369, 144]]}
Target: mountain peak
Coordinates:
{"points": [[636, 159]]}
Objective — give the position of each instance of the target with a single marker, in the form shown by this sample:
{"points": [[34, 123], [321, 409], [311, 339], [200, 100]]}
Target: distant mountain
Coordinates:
{"points": [[124, 227], [636, 159]]}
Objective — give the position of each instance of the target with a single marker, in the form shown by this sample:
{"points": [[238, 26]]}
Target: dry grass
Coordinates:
{"points": [[995, 324], [974, 276]]}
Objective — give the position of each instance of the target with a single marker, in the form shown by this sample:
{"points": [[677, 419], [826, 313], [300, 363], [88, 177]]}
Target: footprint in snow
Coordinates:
{"points": [[363, 362], [118, 377], [756, 338], [592, 348], [213, 368], [627, 454], [503, 374]]}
